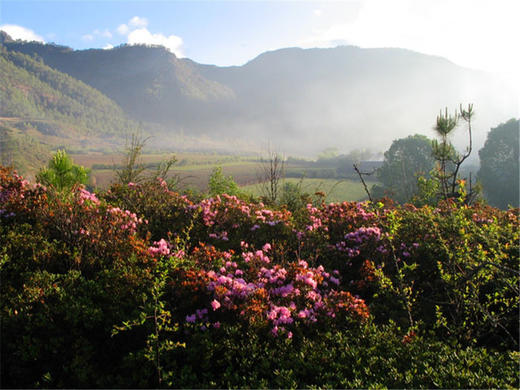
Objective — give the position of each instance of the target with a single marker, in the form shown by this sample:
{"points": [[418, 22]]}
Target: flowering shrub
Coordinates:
{"points": [[143, 287], [254, 290], [163, 211], [227, 220], [71, 269]]}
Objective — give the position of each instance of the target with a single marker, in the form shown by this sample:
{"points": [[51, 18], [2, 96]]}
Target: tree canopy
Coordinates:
{"points": [[220, 184], [404, 161], [499, 160]]}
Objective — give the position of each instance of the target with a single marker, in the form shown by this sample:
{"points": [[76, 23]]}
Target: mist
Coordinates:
{"points": [[302, 101]]}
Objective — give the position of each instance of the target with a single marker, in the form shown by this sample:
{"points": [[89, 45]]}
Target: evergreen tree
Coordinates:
{"points": [[61, 172]]}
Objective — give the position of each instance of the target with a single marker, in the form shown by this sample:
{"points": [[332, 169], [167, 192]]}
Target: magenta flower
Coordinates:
{"points": [[215, 304]]}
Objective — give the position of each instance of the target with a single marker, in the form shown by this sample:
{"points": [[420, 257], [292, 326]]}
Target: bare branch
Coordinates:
{"points": [[272, 172], [361, 174]]}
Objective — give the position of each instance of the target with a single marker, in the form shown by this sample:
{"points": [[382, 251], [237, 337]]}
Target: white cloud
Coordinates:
{"points": [[97, 34], [137, 33], [19, 32], [472, 33], [108, 46], [317, 12], [123, 29], [142, 36], [105, 33], [137, 21]]}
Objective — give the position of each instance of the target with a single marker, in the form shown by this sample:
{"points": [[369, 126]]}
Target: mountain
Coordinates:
{"points": [[42, 108], [302, 101], [32, 90], [148, 82], [350, 97]]}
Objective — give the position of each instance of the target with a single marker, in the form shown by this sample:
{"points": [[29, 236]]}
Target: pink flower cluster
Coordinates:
{"points": [[315, 217], [85, 195], [342, 214], [17, 189], [276, 295], [219, 236], [124, 219], [159, 248], [163, 248], [359, 237], [364, 234], [225, 213]]}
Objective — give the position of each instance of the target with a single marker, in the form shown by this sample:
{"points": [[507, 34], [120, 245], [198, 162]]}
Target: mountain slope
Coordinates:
{"points": [[301, 100], [353, 97], [41, 109], [150, 83], [31, 90]]}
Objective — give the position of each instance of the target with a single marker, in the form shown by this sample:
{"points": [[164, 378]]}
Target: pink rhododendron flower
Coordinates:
{"points": [[215, 304]]}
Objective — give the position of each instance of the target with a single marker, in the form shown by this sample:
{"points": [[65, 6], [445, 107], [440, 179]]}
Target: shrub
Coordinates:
{"points": [[219, 184], [62, 173], [143, 287]]}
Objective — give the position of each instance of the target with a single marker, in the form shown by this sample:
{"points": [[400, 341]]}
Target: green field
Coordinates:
{"points": [[194, 170], [335, 190]]}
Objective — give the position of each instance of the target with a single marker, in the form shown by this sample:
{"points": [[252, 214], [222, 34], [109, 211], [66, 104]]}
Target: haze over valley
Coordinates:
{"points": [[259, 194], [299, 100]]}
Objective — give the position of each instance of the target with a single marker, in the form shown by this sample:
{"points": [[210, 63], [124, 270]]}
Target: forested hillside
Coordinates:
{"points": [[32, 90], [150, 83], [301, 100], [42, 108]]}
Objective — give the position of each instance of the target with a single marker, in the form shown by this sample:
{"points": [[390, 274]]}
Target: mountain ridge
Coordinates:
{"points": [[42, 108], [319, 97]]}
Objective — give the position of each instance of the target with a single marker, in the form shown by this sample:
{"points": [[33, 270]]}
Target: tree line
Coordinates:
{"points": [[417, 167]]}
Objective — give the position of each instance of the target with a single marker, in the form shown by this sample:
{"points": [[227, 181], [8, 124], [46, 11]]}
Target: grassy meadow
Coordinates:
{"points": [[335, 190], [194, 171]]}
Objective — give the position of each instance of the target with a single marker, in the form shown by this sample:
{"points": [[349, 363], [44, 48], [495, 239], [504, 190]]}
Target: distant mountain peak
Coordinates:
{"points": [[301, 99], [5, 37]]}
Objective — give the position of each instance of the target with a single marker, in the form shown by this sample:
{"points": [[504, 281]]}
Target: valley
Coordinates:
{"points": [[334, 205]]}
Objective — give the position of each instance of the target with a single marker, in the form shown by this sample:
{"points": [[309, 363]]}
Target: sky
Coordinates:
{"points": [[479, 34]]}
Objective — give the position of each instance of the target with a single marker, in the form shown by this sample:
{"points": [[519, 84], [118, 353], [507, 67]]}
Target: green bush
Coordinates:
{"points": [[62, 173], [143, 287], [219, 184]]}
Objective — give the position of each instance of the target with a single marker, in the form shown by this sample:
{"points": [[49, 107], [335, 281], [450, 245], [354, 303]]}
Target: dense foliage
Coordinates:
{"points": [[406, 160], [62, 173], [31, 90], [499, 165], [140, 286], [219, 184]]}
